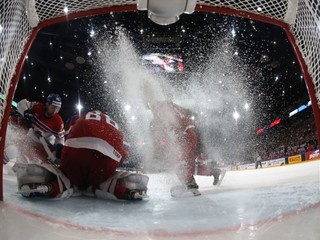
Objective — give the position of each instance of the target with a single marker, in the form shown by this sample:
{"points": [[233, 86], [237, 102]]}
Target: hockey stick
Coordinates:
{"points": [[51, 158], [45, 143]]}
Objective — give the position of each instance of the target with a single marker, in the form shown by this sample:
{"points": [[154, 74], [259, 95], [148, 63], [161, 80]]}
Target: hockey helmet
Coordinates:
{"points": [[54, 99]]}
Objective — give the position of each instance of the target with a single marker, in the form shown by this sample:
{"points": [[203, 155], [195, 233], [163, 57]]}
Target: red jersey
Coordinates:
{"points": [[93, 150], [170, 117], [97, 131], [47, 126], [171, 125], [50, 128]]}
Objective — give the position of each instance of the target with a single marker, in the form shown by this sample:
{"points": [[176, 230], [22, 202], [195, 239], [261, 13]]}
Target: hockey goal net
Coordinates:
{"points": [[20, 20]]}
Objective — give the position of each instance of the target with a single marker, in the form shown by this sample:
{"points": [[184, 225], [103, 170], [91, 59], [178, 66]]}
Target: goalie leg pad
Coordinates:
{"points": [[124, 185], [36, 174]]}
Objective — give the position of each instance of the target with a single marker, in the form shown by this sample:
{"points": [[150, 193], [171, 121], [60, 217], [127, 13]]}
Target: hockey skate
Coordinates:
{"points": [[125, 186], [36, 190], [185, 190], [136, 185], [218, 176], [136, 195]]}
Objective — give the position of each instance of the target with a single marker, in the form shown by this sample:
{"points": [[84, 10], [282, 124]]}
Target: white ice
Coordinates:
{"points": [[271, 203]]}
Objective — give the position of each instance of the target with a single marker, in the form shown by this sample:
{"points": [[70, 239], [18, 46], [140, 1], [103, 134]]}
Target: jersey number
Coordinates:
{"points": [[96, 115]]}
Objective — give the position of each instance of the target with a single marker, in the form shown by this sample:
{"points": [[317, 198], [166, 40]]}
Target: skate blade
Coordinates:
{"points": [[39, 189], [221, 177], [140, 196]]}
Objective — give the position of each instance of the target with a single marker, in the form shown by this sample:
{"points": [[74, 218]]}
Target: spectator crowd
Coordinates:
{"points": [[295, 137]]}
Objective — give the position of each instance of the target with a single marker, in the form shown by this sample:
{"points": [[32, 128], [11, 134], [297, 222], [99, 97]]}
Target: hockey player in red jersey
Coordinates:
{"points": [[42, 120], [172, 126], [95, 147]]}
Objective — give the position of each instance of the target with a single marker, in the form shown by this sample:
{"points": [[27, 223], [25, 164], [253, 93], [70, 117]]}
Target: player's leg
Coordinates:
{"points": [[188, 148], [185, 170], [216, 174], [41, 180], [75, 163], [95, 174]]}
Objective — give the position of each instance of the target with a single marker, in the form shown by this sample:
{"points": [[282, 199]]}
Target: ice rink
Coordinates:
{"points": [[271, 203]]}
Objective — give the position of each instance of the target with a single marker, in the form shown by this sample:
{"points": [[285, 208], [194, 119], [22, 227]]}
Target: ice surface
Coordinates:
{"points": [[280, 203]]}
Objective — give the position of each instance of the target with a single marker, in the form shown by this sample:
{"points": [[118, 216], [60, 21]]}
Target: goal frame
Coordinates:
{"points": [[133, 7]]}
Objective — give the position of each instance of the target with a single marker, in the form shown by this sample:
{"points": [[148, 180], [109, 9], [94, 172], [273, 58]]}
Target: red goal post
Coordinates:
{"points": [[21, 20]]}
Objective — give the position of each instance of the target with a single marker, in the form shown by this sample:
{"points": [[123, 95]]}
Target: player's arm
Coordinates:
{"points": [[59, 140], [60, 134], [23, 106], [58, 131]]}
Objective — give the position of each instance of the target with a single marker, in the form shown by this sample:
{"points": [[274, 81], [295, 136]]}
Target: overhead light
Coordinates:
{"points": [[127, 107], [236, 115], [92, 33], [79, 107], [166, 12], [246, 106], [65, 9], [233, 32]]}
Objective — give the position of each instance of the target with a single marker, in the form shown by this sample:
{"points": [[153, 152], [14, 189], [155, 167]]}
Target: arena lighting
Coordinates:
{"points": [[66, 10], [246, 106], [127, 107], [300, 109], [293, 112], [267, 127], [275, 122], [236, 115], [79, 107], [259, 131], [166, 12]]}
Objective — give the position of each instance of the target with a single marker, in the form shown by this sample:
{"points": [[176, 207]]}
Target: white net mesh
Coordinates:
{"points": [[47, 9], [307, 34], [15, 29], [14, 33]]}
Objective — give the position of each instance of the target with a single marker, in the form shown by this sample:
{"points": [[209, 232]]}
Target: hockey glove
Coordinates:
{"points": [[27, 118], [58, 148]]}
